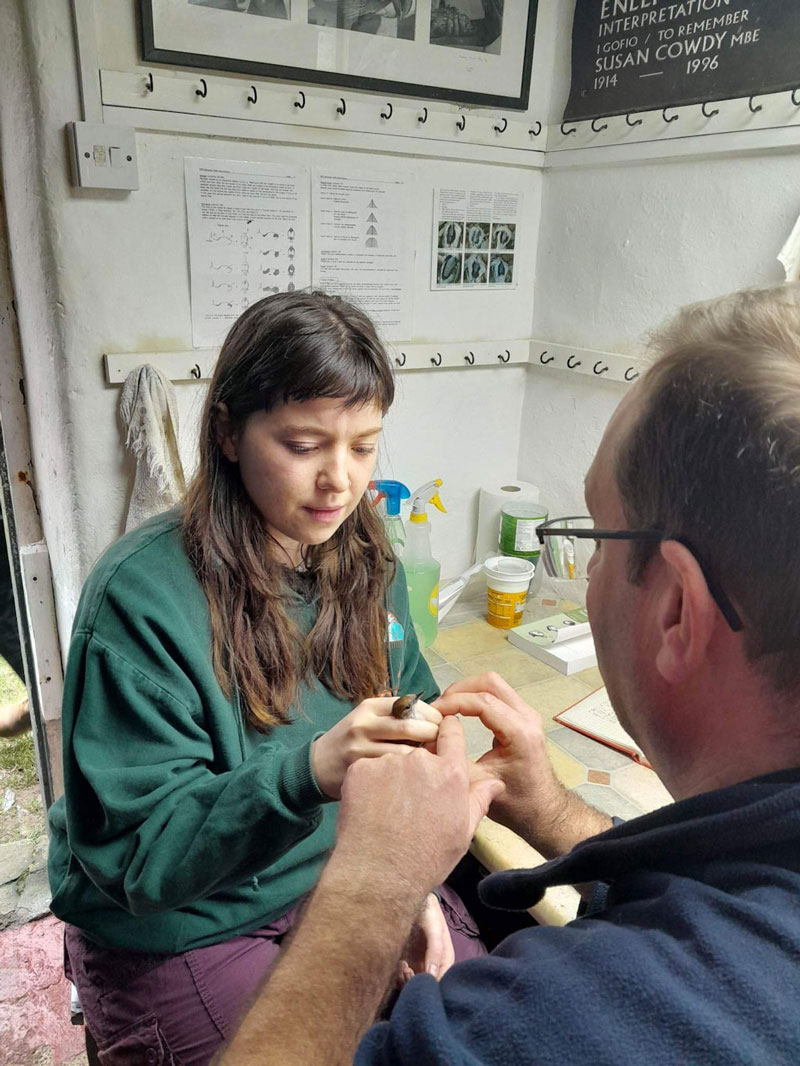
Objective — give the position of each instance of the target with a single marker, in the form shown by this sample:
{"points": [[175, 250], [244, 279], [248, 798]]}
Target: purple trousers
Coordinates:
{"points": [[177, 1010]]}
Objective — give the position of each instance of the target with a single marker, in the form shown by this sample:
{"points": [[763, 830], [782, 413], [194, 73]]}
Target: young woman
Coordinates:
{"points": [[229, 661]]}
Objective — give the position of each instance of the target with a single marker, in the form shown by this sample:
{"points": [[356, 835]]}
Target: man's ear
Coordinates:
{"points": [[686, 614], [226, 436]]}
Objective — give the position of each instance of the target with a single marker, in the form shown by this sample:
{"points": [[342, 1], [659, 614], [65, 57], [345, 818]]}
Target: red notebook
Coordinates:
{"points": [[594, 717]]}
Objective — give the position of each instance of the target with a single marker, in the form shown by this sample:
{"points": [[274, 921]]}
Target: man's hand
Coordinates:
{"points": [[534, 805], [406, 820]]}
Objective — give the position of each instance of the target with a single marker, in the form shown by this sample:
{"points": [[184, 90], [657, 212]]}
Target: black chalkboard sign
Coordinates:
{"points": [[637, 55]]}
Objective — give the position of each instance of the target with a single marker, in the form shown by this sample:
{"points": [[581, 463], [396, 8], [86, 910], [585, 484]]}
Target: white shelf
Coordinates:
{"points": [[198, 364]]}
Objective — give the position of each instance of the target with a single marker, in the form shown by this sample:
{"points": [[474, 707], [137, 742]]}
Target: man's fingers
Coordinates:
{"points": [[451, 743], [488, 682], [482, 795], [493, 712]]}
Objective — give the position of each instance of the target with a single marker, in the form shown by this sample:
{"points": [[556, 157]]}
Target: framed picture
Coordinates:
{"points": [[464, 51]]}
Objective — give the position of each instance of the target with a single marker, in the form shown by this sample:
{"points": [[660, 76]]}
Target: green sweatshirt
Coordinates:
{"points": [[180, 825]]}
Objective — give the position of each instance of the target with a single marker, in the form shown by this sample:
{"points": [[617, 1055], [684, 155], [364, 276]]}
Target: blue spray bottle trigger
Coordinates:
{"points": [[393, 492]]}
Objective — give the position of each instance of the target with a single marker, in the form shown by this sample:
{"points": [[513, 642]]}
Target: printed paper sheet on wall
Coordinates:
{"points": [[362, 249], [475, 236], [248, 238]]}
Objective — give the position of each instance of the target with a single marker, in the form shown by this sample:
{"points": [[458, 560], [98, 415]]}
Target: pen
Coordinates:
{"points": [[569, 557]]}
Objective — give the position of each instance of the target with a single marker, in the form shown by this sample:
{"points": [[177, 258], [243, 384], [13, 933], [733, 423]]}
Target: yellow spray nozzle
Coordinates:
{"points": [[437, 503], [421, 494]]}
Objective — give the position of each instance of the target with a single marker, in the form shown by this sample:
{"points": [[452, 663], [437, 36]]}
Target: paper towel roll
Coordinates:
{"points": [[490, 503]]}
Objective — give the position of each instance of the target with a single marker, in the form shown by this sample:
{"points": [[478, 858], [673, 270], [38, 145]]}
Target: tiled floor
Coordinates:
{"points": [[467, 644]]}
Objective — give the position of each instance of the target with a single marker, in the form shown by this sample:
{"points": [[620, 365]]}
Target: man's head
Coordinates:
{"points": [[706, 450], [713, 460]]}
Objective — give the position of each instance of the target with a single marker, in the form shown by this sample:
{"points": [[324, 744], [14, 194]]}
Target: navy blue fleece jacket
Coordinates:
{"points": [[694, 960]]}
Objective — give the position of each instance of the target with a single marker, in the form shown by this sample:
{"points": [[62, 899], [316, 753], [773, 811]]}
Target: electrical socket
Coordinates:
{"points": [[103, 157]]}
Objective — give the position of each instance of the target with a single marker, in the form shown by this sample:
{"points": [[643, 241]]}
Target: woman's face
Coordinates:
{"points": [[305, 466]]}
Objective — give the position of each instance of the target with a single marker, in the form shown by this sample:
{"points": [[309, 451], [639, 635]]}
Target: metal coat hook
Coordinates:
{"points": [[149, 82], [301, 94], [572, 364], [795, 101], [391, 111], [254, 98], [423, 118], [537, 129], [544, 361], [499, 129], [708, 114], [672, 118], [631, 376], [566, 133], [602, 369], [342, 108], [636, 121], [438, 360], [401, 362], [598, 129], [508, 356], [204, 91], [470, 358], [196, 372], [757, 108], [461, 123]]}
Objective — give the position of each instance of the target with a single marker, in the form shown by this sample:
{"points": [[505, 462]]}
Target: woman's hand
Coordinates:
{"points": [[365, 733], [430, 946]]}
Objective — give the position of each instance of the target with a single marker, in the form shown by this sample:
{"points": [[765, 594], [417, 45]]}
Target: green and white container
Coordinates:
{"points": [[518, 522]]}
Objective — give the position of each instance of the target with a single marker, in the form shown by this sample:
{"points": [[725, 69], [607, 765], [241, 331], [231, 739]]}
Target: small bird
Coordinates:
{"points": [[406, 706]]}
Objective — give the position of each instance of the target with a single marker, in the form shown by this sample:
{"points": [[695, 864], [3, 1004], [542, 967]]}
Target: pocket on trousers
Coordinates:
{"points": [[456, 914], [140, 1044]]}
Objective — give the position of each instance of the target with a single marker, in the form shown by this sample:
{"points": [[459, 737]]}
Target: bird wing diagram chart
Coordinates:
{"points": [[361, 245], [475, 238], [249, 237]]}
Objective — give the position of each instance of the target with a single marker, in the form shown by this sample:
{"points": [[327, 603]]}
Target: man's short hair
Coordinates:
{"points": [[714, 460]]}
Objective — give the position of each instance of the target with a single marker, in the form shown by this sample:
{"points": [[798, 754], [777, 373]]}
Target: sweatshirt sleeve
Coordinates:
{"points": [[158, 814]]}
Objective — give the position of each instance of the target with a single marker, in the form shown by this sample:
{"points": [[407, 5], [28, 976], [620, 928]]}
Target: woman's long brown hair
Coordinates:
{"points": [[289, 347]]}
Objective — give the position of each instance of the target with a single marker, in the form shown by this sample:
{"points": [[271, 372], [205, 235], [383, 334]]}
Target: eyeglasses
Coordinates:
{"points": [[554, 534]]}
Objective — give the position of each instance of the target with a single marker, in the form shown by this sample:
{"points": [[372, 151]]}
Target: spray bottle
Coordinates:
{"points": [[393, 492], [422, 570]]}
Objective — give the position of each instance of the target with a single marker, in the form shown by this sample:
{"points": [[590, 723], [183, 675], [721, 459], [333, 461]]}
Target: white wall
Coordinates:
{"points": [[621, 247], [112, 275], [140, 245]]}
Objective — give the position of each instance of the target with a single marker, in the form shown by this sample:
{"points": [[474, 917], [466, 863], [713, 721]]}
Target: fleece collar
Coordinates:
{"points": [[745, 820]]}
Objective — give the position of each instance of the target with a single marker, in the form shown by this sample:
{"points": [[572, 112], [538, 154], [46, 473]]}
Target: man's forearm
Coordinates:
{"points": [[336, 969], [555, 828]]}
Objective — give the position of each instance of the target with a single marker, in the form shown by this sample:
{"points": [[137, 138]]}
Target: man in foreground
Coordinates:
{"points": [[690, 948]]}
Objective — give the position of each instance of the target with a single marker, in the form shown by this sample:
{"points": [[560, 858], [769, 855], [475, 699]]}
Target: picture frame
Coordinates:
{"points": [[461, 51]]}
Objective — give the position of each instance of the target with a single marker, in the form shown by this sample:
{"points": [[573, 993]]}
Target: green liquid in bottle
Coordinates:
{"points": [[423, 598]]}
